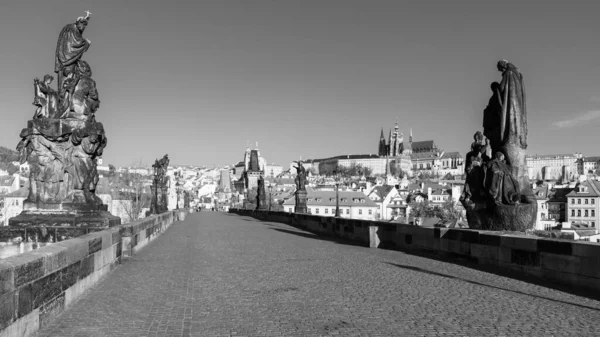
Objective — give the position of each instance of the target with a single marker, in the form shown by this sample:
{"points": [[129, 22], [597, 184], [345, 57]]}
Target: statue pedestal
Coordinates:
{"points": [[52, 225], [261, 203], [301, 202], [488, 216]]}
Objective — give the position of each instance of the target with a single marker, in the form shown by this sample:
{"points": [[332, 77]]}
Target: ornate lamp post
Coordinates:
{"points": [[336, 177], [270, 196]]}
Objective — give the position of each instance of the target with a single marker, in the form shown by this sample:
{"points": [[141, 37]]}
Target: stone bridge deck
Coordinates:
{"points": [[218, 274]]}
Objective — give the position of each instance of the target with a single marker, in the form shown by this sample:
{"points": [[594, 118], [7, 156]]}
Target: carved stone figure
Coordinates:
{"points": [[70, 48], [85, 99], [159, 186], [500, 184], [46, 99], [261, 194], [62, 143], [492, 115], [300, 177], [475, 170], [497, 194], [513, 116], [300, 189]]}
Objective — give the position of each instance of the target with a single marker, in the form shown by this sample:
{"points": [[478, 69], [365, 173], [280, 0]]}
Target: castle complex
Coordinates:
{"points": [[395, 155]]}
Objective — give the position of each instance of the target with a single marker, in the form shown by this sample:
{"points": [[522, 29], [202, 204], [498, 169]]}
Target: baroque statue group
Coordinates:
{"points": [[63, 140], [497, 193]]}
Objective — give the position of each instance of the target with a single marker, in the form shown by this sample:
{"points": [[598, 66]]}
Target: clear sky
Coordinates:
{"points": [[310, 78]]}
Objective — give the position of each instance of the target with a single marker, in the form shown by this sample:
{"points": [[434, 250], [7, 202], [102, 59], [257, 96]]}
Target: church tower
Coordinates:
{"points": [[390, 144], [382, 145], [396, 143], [400, 144]]}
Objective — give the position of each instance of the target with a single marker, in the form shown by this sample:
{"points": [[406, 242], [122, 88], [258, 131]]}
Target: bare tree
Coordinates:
{"points": [[133, 188]]}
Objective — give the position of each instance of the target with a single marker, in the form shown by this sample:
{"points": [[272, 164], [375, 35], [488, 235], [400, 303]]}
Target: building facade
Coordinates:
{"points": [[588, 165], [353, 205], [583, 204], [553, 166], [382, 196], [13, 204]]}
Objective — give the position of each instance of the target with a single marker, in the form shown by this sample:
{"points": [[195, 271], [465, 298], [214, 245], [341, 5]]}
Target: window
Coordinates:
{"points": [[370, 212], [348, 211], [586, 213], [316, 211], [578, 212], [333, 211], [593, 201], [360, 211], [310, 211], [326, 210], [586, 201], [290, 210], [593, 224], [593, 213], [579, 201], [572, 201], [572, 212]]}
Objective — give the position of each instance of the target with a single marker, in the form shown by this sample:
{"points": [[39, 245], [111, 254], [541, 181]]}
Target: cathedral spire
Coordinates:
{"points": [[382, 149], [389, 144], [410, 139]]}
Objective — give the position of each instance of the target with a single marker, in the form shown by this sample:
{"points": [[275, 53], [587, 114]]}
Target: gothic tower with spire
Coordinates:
{"points": [[382, 145], [389, 144]]}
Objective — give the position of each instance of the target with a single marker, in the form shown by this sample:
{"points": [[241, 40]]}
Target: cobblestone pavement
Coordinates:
{"points": [[218, 274]]}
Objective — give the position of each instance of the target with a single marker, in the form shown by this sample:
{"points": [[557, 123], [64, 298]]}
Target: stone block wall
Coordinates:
{"points": [[572, 263], [37, 286]]}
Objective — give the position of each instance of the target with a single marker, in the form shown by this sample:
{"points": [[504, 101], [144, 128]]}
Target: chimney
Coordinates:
{"points": [[422, 186], [429, 193]]}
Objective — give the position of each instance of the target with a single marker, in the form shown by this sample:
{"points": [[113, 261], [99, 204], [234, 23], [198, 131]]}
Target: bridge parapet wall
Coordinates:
{"points": [[572, 263], [37, 286]]}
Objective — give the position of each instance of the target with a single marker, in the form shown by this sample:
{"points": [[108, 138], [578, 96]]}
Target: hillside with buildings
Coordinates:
{"points": [[406, 181]]}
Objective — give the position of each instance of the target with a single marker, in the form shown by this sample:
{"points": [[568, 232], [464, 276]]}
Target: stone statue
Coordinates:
{"points": [[513, 116], [500, 184], [497, 193], [159, 186], [70, 48], [46, 99], [474, 168], [300, 193], [84, 99], [63, 142], [261, 194], [300, 177], [492, 115]]}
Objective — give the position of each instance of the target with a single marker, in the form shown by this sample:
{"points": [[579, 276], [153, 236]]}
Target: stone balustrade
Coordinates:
{"points": [[572, 263], [37, 286]]}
